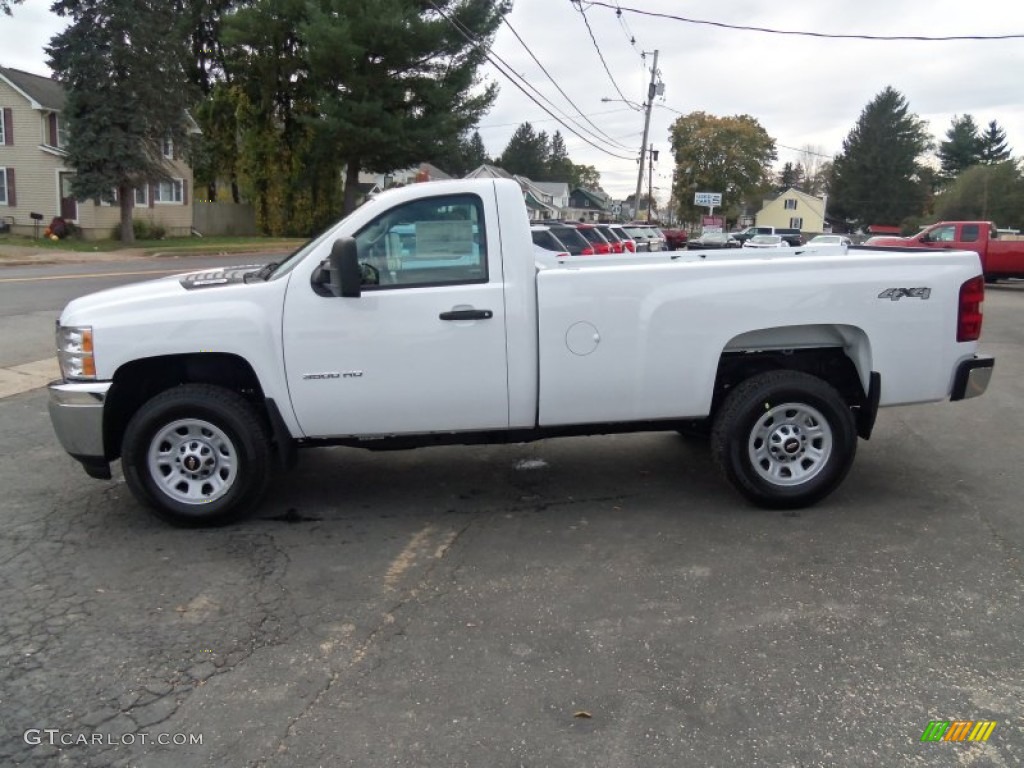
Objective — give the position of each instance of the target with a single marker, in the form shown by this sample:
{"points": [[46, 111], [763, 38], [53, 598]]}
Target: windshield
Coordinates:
{"points": [[296, 257]]}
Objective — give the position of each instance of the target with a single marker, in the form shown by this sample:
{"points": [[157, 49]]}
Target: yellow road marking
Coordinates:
{"points": [[96, 274]]}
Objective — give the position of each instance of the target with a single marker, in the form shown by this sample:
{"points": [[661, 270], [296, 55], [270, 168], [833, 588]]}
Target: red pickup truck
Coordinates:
{"points": [[999, 258]]}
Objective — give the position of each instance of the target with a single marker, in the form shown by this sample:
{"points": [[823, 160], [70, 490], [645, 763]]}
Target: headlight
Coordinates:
{"points": [[74, 352]]}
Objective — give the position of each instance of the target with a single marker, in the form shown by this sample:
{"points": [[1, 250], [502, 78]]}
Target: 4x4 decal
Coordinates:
{"points": [[895, 294]]}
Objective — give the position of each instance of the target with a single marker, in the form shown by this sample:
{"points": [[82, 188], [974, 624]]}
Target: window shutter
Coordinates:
{"points": [[152, 195], [12, 199], [184, 191], [52, 134], [8, 126]]}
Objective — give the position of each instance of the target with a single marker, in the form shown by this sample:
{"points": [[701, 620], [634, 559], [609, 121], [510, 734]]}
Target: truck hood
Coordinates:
{"points": [[173, 288]]}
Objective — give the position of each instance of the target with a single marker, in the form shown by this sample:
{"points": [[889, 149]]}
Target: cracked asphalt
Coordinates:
{"points": [[590, 601]]}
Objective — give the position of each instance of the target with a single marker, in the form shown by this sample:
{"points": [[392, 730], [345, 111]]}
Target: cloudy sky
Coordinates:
{"points": [[803, 90]]}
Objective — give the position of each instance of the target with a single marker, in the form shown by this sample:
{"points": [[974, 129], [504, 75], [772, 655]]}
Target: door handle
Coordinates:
{"points": [[467, 314]]}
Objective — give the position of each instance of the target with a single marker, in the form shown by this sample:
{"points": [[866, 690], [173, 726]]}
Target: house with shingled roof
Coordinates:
{"points": [[35, 176]]}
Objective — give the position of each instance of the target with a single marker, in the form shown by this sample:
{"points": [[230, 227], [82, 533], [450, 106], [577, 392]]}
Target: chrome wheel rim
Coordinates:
{"points": [[192, 461], [790, 444]]}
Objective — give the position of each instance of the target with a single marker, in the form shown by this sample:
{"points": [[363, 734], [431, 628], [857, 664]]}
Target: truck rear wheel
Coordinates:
{"points": [[198, 455], [784, 439]]}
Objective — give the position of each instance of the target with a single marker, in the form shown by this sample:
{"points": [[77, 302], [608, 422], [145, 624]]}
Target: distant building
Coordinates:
{"points": [[35, 176], [544, 199], [587, 205], [793, 209]]}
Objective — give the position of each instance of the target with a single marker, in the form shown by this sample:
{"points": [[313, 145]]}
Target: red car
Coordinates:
{"points": [[675, 238]]}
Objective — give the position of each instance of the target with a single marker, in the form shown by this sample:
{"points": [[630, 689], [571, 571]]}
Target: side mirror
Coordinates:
{"points": [[346, 277]]}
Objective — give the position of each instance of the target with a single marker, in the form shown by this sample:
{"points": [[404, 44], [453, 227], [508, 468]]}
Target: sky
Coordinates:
{"points": [[803, 90]]}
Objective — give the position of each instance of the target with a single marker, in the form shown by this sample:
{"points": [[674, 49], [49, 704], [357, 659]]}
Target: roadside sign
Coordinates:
{"points": [[708, 198], [712, 224]]}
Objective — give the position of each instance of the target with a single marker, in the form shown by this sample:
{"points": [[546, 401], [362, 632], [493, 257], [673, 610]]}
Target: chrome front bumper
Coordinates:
{"points": [[76, 410], [972, 377]]}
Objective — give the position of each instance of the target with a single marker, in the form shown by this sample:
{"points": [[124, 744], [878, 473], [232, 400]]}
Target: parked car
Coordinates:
{"points": [[574, 242], [791, 236], [629, 244], [830, 240], [675, 238], [712, 240], [766, 241], [1000, 257], [641, 236], [597, 241], [617, 243], [650, 235]]}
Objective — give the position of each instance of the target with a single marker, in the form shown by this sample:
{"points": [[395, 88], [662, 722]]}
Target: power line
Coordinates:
{"points": [[552, 119], [545, 71], [598, 48], [882, 38], [495, 59]]}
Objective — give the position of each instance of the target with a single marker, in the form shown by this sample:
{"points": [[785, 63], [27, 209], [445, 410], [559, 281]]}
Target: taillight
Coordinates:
{"points": [[603, 248], [588, 251], [969, 316], [630, 246]]}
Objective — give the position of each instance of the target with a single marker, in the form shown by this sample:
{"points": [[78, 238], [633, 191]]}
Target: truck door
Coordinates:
{"points": [[423, 348]]}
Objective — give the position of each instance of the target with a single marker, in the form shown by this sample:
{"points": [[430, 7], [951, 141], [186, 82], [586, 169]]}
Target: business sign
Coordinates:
{"points": [[708, 198], [712, 224]]}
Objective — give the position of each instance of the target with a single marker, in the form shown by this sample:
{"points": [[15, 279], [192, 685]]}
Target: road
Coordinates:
{"points": [[31, 297], [603, 601]]}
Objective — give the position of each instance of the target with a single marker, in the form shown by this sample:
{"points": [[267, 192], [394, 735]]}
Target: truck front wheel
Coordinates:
{"points": [[784, 439], [198, 455]]}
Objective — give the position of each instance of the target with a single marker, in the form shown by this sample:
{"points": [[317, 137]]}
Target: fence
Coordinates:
{"points": [[210, 219]]}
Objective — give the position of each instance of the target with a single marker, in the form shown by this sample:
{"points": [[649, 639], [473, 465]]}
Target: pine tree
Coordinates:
{"points": [[558, 166], [526, 153], [962, 147], [5, 5], [122, 64], [393, 78], [877, 178], [993, 145], [476, 152]]}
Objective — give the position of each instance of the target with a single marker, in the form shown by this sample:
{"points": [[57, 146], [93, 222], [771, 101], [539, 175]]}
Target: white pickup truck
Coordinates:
{"points": [[425, 318]]}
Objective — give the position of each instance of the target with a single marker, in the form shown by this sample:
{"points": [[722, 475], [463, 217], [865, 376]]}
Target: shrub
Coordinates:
{"points": [[142, 229]]}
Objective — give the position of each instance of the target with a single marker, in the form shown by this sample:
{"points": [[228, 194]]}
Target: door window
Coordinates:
{"points": [[969, 233], [427, 242], [943, 234]]}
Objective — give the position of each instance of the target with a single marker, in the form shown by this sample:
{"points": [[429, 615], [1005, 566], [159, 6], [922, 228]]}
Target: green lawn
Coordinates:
{"points": [[167, 245]]}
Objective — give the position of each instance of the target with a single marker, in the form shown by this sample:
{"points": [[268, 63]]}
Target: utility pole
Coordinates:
{"points": [[643, 144], [652, 155]]}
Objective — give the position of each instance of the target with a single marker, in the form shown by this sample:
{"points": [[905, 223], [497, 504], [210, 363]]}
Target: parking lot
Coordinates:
{"points": [[604, 601]]}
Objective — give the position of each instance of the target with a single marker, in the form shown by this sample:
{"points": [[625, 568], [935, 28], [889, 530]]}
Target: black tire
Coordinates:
{"points": [[784, 439], [200, 427]]}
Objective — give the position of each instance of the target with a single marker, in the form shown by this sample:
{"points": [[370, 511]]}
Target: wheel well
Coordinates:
{"points": [[138, 381], [830, 364]]}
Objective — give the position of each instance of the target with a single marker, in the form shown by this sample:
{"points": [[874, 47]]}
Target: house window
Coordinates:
{"points": [[3, 136], [790, 205], [62, 134], [3, 186], [142, 196], [168, 191], [167, 148], [796, 223]]}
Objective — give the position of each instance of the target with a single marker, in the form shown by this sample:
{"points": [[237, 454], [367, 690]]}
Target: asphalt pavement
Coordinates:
{"points": [[600, 601]]}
